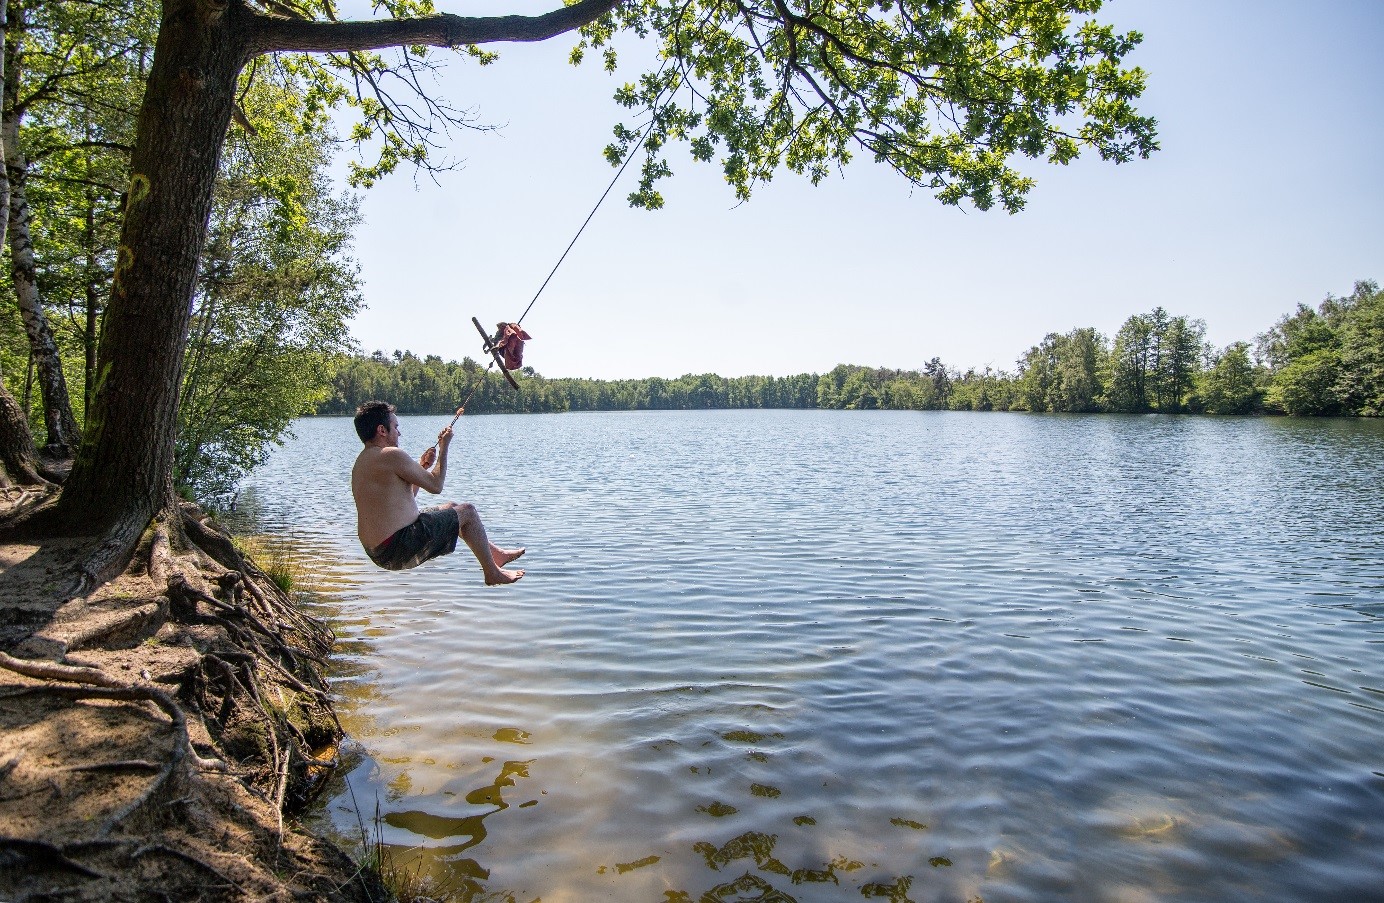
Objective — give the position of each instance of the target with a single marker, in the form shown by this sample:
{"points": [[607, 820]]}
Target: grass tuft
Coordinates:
{"points": [[405, 881], [274, 556]]}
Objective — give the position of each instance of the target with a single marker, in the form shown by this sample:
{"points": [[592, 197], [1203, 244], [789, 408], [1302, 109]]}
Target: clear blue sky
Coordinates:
{"points": [[1269, 191]]}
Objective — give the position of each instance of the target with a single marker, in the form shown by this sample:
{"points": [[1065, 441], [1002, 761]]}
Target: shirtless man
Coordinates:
{"points": [[385, 483]]}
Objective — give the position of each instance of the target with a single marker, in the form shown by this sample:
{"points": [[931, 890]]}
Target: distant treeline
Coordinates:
{"points": [[1323, 361]]}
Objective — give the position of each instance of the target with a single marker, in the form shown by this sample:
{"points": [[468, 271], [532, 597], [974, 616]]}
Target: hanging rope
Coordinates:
{"points": [[621, 172]]}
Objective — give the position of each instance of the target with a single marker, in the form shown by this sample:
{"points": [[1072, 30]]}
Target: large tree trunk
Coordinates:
{"points": [[17, 464], [122, 473], [63, 434]]}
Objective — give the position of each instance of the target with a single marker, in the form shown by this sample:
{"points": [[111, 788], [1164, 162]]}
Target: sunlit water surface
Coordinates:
{"points": [[810, 656]]}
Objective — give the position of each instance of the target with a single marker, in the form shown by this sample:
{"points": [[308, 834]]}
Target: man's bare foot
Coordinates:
{"points": [[502, 577], [503, 557]]}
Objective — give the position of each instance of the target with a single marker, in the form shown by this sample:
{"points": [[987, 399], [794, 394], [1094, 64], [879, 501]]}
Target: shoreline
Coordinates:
{"points": [[160, 733]]}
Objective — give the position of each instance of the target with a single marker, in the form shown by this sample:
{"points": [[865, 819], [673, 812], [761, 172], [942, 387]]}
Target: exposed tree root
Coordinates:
{"points": [[186, 857], [111, 554], [188, 606], [44, 855], [94, 684], [214, 542], [160, 554], [24, 495], [107, 687], [122, 765], [25, 501]]}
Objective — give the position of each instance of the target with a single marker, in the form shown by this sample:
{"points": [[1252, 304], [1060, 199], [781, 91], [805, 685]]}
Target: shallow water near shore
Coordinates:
{"points": [[814, 656]]}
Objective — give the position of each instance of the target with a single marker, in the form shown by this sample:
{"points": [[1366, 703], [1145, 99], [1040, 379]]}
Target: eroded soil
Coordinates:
{"points": [[155, 731]]}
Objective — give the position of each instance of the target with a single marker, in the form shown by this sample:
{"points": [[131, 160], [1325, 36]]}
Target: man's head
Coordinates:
{"points": [[370, 417]]}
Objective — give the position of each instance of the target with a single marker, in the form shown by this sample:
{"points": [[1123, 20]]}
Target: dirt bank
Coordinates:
{"points": [[157, 733]]}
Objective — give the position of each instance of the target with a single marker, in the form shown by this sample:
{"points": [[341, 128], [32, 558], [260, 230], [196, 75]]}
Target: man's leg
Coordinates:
{"points": [[502, 557], [491, 557]]}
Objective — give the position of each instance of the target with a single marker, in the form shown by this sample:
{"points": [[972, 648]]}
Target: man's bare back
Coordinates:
{"points": [[385, 481], [385, 501]]}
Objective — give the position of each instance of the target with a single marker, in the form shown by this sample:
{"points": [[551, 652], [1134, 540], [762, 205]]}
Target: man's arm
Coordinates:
{"points": [[426, 462], [413, 473]]}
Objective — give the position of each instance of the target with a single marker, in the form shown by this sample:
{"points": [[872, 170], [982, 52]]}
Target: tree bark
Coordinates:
{"points": [[63, 433], [93, 302], [17, 454], [442, 30]]}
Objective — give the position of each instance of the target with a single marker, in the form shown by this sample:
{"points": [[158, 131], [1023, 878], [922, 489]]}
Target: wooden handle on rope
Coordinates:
{"points": [[488, 347]]}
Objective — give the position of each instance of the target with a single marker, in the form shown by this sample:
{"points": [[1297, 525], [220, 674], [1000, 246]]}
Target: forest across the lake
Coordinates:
{"points": [[1322, 361]]}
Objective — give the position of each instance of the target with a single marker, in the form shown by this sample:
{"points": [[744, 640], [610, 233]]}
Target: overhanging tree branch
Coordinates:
{"points": [[274, 34]]}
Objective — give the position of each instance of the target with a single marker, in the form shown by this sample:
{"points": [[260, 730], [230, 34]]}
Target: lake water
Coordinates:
{"points": [[811, 655]]}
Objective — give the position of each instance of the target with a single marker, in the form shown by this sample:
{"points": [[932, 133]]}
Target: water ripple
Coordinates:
{"points": [[916, 656]]}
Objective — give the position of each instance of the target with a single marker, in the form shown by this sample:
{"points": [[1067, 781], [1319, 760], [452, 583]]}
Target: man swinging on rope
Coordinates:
{"points": [[385, 483]]}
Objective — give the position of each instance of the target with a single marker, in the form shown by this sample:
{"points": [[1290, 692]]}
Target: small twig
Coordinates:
{"points": [[280, 784]]}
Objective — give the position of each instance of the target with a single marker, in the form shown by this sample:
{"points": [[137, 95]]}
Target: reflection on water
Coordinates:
{"points": [[810, 656]]}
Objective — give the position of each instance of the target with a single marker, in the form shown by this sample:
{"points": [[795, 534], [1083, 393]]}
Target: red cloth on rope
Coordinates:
{"points": [[510, 344]]}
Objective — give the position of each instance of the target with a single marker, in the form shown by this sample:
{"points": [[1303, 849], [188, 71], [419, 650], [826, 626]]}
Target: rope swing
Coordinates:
{"points": [[506, 346]]}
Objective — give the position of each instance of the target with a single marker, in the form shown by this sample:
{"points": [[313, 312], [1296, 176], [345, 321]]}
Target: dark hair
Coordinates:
{"points": [[370, 415]]}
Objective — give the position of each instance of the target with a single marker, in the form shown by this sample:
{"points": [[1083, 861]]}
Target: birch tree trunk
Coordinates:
{"points": [[16, 443], [63, 433]]}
